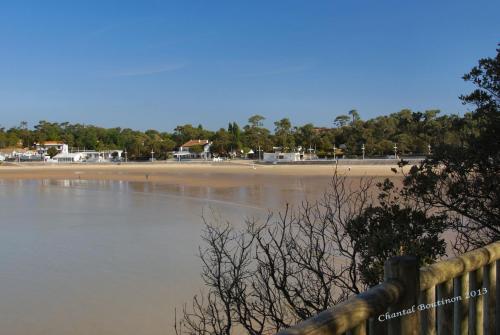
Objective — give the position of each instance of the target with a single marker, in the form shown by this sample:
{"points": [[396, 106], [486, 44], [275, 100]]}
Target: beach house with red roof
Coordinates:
{"points": [[194, 149]]}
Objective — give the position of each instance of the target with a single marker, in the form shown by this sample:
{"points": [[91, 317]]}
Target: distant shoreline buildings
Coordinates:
{"points": [[58, 152], [193, 149]]}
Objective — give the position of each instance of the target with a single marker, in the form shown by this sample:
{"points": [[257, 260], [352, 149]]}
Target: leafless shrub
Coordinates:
{"points": [[273, 273]]}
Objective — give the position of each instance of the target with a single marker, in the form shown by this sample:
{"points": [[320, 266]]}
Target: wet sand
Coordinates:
{"points": [[189, 174]]}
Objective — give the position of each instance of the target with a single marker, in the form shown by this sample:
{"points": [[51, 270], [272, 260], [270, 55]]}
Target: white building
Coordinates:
{"points": [[89, 156], [186, 150], [29, 156], [21, 155], [43, 147], [281, 157], [75, 157], [111, 155]]}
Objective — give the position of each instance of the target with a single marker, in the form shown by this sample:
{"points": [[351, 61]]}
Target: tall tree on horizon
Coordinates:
{"points": [[283, 133], [341, 121], [355, 115], [256, 136], [256, 120]]}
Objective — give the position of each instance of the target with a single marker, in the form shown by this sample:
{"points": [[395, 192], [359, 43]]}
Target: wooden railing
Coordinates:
{"points": [[455, 296]]}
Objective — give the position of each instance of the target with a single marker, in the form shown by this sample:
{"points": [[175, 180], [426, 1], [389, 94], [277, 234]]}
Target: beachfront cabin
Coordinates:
{"points": [[6, 153], [74, 157], [274, 157], [30, 156], [89, 156], [111, 155], [19, 154], [194, 149], [92, 156], [43, 147]]}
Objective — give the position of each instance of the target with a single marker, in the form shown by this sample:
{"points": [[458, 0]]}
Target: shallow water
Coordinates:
{"points": [[101, 257]]}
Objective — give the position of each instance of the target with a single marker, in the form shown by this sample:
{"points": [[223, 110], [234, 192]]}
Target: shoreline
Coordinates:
{"points": [[227, 174]]}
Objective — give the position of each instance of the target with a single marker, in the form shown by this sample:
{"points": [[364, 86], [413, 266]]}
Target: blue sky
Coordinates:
{"points": [[157, 64]]}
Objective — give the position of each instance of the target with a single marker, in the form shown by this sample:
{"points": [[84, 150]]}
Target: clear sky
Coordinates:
{"points": [[156, 64]]}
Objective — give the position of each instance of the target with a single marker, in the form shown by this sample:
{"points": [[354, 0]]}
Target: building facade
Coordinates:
{"points": [[187, 150], [272, 157], [43, 147]]}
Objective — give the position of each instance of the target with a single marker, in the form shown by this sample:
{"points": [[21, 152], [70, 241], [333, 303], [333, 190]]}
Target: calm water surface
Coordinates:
{"points": [[98, 257]]}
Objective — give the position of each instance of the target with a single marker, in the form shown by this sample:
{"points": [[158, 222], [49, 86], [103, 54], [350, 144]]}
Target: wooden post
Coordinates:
{"points": [[358, 330], [375, 327], [405, 270], [461, 310], [445, 312], [476, 303], [479, 302], [489, 303], [497, 297], [428, 316]]}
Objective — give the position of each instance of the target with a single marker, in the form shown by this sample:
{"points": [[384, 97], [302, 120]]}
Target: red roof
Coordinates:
{"points": [[192, 143]]}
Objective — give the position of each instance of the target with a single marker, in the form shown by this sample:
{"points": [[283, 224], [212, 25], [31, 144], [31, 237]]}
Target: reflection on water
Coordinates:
{"points": [[101, 257]]}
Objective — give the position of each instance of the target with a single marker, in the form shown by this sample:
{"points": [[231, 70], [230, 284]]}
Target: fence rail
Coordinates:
{"points": [[456, 296]]}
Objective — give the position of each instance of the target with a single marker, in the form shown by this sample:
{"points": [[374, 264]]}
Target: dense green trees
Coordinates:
{"points": [[284, 135], [234, 137], [256, 136], [415, 133], [221, 142]]}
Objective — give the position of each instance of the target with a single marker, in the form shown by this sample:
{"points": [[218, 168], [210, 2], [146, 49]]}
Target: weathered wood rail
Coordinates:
{"points": [[456, 296]]}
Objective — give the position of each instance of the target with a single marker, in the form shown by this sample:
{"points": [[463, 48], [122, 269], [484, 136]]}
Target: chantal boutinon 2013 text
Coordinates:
{"points": [[437, 303]]}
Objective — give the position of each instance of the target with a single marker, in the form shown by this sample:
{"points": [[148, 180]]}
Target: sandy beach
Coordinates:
{"points": [[192, 174]]}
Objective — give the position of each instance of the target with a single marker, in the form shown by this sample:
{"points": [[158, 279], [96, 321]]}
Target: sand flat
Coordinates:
{"points": [[210, 174]]}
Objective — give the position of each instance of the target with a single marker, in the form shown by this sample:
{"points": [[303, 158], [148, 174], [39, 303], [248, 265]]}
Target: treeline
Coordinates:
{"points": [[412, 132]]}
